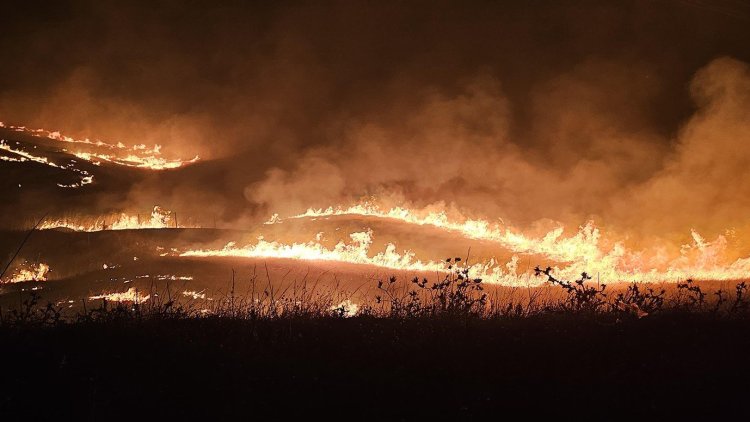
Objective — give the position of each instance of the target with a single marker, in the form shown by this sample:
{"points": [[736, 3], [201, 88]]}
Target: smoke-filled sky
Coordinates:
{"points": [[635, 114]]}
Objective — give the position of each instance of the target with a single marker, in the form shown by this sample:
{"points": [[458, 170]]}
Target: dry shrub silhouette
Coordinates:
{"points": [[581, 297], [456, 294]]}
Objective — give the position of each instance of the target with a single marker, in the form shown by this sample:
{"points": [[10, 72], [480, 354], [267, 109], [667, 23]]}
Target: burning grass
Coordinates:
{"points": [[98, 151], [456, 295], [159, 218], [588, 248], [29, 272]]}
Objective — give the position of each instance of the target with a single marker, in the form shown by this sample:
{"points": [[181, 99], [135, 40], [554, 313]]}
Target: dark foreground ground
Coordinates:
{"points": [[365, 368]]}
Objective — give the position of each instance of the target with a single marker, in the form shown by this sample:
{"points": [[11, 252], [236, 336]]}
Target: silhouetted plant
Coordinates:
{"points": [[30, 313], [456, 294], [640, 302], [580, 296], [694, 297]]}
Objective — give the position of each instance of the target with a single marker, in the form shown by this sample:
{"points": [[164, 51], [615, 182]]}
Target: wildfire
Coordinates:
{"points": [[139, 156], [34, 273], [582, 251], [552, 245], [150, 162], [346, 308], [131, 295], [158, 219], [355, 252], [24, 156]]}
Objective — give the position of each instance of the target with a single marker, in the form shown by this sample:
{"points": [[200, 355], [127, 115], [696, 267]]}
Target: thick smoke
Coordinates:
{"points": [[633, 114], [706, 171]]}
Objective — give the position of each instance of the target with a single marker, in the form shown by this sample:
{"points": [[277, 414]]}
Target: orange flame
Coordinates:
{"points": [[86, 177], [346, 308], [139, 156], [131, 295], [159, 219], [192, 294], [34, 273], [582, 251], [355, 252]]}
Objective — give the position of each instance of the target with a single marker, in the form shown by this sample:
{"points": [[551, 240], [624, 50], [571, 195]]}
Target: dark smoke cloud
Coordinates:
{"points": [[632, 113]]}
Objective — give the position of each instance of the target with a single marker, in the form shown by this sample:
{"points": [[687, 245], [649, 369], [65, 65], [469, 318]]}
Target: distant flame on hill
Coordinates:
{"points": [[22, 156], [158, 219], [131, 295], [139, 156], [36, 272]]}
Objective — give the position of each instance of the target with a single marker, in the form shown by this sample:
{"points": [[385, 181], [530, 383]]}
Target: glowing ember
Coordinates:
{"points": [[346, 308], [174, 277], [131, 295], [33, 273], [193, 294]]}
